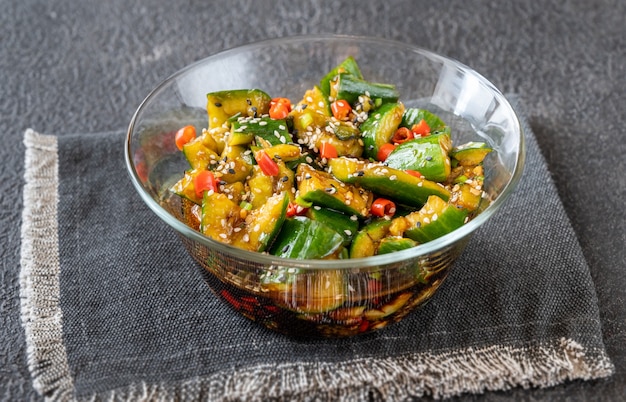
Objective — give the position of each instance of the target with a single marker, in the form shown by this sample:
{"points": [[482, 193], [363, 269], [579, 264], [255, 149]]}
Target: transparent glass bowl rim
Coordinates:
{"points": [[422, 250]]}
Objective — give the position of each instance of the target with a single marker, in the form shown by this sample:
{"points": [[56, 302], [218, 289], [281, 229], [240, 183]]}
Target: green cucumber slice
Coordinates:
{"points": [[321, 188], [349, 87], [393, 244], [366, 241], [380, 127], [263, 224], [349, 66], [274, 132], [413, 116], [436, 218], [343, 224], [222, 105], [383, 180], [304, 238], [427, 155], [471, 153]]}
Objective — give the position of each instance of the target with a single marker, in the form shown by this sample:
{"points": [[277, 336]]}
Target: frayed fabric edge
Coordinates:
{"points": [[438, 375], [39, 275]]}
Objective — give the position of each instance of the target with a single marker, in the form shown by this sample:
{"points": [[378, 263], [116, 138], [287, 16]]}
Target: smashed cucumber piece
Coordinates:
{"points": [[393, 244], [435, 219], [305, 292], [346, 226], [349, 87], [471, 153], [383, 180], [366, 241], [222, 221], [223, 105], [305, 238], [379, 127], [264, 129], [414, 116], [426, 155], [321, 188], [347, 66]]}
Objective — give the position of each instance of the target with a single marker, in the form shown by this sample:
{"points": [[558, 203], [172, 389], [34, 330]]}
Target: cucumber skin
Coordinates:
{"points": [[450, 219], [380, 127], [304, 238], [393, 183]]}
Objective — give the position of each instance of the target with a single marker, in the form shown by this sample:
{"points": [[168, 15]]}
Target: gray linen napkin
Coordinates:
{"points": [[114, 308]]}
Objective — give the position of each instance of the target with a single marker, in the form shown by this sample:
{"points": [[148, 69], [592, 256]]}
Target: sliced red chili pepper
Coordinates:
{"points": [[294, 209], [421, 129], [230, 298], [267, 165], [340, 109], [328, 150], [414, 173], [279, 108], [184, 135], [364, 325], [204, 181], [383, 207], [401, 135], [384, 151]]}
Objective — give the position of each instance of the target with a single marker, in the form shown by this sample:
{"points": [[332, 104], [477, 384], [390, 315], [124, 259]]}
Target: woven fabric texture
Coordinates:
{"points": [[110, 297]]}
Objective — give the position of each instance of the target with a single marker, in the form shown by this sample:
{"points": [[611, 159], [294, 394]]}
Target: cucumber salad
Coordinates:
{"points": [[345, 172]]}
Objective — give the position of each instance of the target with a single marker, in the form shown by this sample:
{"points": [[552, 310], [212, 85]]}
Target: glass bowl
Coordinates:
{"points": [[323, 298]]}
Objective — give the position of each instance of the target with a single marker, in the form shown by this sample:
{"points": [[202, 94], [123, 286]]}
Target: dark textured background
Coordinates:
{"points": [[68, 67]]}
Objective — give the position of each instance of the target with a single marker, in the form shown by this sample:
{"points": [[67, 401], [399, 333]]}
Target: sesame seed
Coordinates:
{"points": [[246, 238], [257, 227], [393, 177], [348, 232], [354, 218], [263, 123], [434, 217], [223, 235]]}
